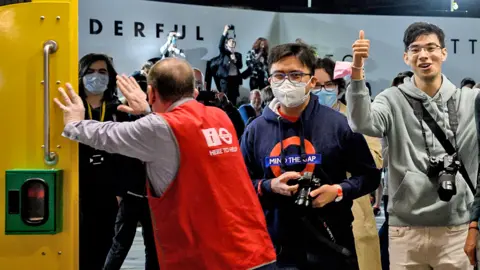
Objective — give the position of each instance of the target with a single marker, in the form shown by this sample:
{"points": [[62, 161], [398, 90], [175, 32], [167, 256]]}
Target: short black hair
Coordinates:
{"points": [[304, 53], [172, 78], [422, 28], [84, 64], [329, 66], [466, 81]]}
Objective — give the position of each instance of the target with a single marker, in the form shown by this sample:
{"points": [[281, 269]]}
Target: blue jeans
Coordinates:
{"points": [[383, 235]]}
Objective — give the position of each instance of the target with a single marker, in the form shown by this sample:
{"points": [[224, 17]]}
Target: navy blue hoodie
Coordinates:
{"points": [[329, 144]]}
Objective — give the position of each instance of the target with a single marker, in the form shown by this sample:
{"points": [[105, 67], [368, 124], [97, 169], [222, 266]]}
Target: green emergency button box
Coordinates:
{"points": [[33, 201]]}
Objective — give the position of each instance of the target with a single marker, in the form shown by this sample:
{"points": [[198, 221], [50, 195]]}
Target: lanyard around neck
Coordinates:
{"points": [[102, 117]]}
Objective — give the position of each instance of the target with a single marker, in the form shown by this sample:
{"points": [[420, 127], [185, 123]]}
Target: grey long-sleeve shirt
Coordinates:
{"points": [[149, 139], [390, 115]]}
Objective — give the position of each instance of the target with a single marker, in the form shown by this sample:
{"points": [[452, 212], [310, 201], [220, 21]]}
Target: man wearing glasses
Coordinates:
{"points": [[428, 201], [294, 137]]}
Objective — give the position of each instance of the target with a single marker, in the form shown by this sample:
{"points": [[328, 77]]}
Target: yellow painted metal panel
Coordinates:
{"points": [[22, 34]]}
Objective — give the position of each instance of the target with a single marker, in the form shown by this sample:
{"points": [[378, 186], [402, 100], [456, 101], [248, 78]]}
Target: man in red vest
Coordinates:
{"points": [[205, 212]]}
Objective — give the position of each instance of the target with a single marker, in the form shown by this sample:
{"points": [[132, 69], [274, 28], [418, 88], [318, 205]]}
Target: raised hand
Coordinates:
{"points": [[361, 50], [73, 109], [136, 98]]}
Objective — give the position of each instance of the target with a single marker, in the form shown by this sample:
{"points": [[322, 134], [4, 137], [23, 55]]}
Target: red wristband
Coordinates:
{"points": [[259, 188]]}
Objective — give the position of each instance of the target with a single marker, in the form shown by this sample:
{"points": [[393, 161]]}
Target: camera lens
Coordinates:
{"points": [[446, 186]]}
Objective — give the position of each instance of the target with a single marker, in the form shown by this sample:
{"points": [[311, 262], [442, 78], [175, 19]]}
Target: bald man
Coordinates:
{"points": [[205, 213]]}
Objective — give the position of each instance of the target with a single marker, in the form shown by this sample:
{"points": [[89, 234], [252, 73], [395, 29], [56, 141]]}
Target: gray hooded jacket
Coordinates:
{"points": [[413, 198]]}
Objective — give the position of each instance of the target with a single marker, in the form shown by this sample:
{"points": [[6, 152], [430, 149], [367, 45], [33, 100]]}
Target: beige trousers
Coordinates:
{"points": [[426, 248], [367, 244]]}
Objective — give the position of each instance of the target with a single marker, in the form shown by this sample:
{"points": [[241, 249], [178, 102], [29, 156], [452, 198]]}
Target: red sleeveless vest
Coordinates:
{"points": [[209, 217]]}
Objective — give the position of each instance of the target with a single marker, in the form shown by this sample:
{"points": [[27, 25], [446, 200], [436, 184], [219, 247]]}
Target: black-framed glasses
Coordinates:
{"points": [[293, 77], [328, 86], [430, 48]]}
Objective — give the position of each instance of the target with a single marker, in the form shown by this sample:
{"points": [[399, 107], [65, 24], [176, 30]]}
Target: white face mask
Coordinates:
{"points": [[289, 94], [96, 83]]}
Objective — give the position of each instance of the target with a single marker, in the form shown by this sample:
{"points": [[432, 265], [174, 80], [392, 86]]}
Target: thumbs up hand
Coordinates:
{"points": [[361, 50]]}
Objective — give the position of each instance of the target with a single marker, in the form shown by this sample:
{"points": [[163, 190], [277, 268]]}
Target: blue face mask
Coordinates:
{"points": [[326, 98], [95, 83]]}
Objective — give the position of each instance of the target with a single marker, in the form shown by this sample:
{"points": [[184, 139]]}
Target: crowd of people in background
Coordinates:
{"points": [[302, 120]]}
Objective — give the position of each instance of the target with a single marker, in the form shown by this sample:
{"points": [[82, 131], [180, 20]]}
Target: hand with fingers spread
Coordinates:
{"points": [[73, 109], [279, 185], [136, 98], [361, 50]]}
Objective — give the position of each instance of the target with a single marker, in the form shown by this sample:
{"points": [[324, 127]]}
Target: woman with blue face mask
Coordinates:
{"points": [[105, 179], [329, 93], [328, 90]]}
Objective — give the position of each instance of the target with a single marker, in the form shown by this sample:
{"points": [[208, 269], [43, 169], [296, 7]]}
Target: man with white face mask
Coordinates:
{"points": [[295, 136]]}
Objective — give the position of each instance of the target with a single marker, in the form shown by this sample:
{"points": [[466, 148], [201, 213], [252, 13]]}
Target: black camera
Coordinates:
{"points": [[306, 184], [444, 169], [231, 27]]}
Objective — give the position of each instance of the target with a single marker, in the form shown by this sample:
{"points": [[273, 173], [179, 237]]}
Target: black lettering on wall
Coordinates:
{"points": [[199, 36], [139, 27], [455, 40], [159, 29], [118, 28], [183, 31], [328, 55], [93, 23], [473, 45]]}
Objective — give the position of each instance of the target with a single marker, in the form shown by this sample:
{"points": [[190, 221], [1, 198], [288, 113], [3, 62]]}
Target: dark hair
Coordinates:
{"points": [[422, 28], [174, 82], [256, 45], [466, 81], [400, 77], [329, 66], [84, 64], [301, 51]]}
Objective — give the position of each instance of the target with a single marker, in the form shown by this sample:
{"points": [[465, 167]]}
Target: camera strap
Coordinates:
{"points": [[322, 239], [422, 114]]}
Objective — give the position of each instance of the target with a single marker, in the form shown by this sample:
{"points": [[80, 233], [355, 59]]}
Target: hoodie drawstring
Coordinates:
{"points": [[283, 166], [303, 152]]}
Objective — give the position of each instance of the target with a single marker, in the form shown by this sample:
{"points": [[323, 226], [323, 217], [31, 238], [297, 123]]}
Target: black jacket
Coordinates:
{"points": [[102, 173], [223, 61]]}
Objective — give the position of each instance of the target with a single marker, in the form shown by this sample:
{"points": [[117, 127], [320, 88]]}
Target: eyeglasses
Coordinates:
{"points": [[416, 49], [328, 86], [294, 77]]}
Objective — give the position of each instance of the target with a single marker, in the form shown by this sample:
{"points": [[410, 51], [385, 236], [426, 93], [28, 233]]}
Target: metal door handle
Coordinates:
{"points": [[50, 158]]}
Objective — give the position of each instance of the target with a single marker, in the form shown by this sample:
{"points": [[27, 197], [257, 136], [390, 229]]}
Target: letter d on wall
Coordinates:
{"points": [[99, 25]]}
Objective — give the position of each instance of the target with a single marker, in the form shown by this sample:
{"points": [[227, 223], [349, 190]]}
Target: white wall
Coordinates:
{"points": [[130, 52], [334, 34], [331, 34]]}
